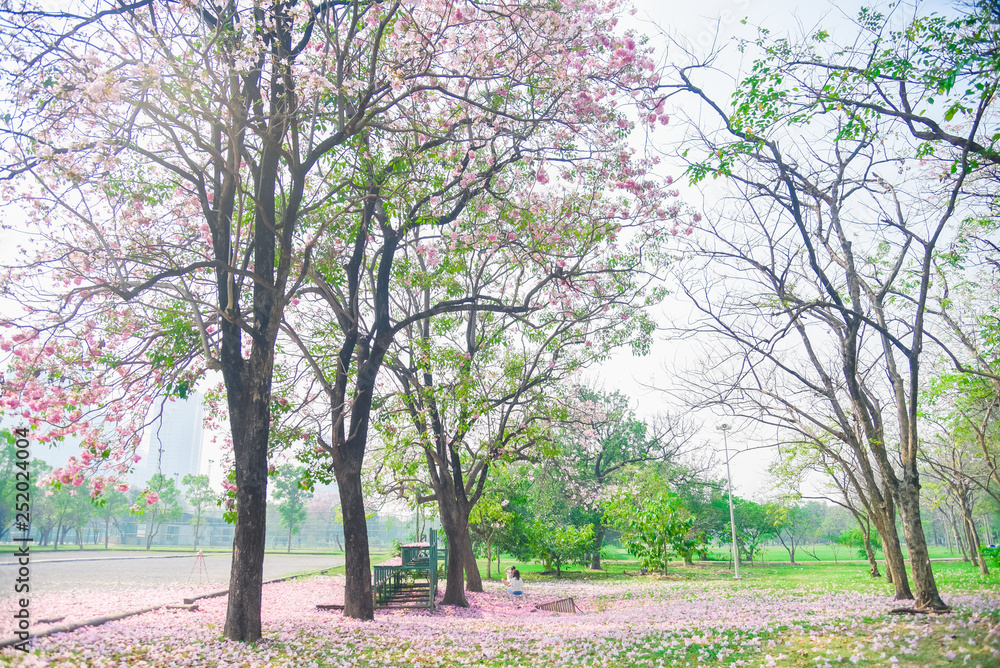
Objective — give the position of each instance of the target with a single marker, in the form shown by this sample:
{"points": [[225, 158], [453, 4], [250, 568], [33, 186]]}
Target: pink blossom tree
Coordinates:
{"points": [[188, 173], [483, 386], [508, 212]]}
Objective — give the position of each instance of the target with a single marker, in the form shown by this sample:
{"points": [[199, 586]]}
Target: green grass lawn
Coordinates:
{"points": [[930, 642], [948, 574], [808, 615], [807, 571]]}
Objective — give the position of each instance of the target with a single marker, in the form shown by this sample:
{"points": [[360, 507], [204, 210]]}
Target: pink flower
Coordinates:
{"points": [[151, 498]]}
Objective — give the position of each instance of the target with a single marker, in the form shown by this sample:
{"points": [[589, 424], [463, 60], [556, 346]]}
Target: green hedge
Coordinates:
{"points": [[991, 555]]}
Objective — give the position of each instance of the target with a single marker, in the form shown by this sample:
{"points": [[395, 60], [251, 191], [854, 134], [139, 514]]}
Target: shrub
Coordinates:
{"points": [[991, 555]]}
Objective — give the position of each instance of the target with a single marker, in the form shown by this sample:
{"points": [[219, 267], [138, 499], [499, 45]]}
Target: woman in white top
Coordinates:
{"points": [[514, 584]]}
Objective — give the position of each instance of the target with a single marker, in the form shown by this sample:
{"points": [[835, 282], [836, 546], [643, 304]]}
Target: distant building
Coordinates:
{"points": [[172, 445]]}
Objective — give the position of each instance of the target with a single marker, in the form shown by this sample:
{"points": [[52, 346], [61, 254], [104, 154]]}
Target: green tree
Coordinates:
{"points": [[795, 524], [488, 519], [474, 386], [43, 511], [856, 539], [513, 486], [805, 143], [8, 480], [835, 520], [291, 496], [200, 495], [63, 507], [654, 527], [606, 439], [111, 508], [557, 544], [162, 504], [754, 525], [79, 510]]}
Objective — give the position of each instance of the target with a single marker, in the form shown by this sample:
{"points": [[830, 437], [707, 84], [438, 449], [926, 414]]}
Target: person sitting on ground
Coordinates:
{"points": [[514, 584]]}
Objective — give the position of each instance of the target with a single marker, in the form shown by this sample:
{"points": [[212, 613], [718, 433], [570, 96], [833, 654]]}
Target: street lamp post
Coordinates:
{"points": [[732, 515]]}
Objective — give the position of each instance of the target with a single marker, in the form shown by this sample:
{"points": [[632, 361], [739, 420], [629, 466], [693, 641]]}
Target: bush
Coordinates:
{"points": [[991, 555]]}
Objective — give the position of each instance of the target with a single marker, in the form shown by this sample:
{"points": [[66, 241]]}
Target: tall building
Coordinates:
{"points": [[173, 441]]}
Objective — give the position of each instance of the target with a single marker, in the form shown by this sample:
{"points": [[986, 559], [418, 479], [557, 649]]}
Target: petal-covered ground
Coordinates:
{"points": [[637, 622]]}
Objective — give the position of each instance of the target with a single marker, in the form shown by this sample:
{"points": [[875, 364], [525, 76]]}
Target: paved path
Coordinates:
{"points": [[58, 572]]}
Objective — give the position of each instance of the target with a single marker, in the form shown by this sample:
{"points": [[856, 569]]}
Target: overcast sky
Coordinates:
{"points": [[705, 25]]}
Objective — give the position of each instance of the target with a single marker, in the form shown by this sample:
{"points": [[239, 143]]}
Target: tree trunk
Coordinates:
{"points": [[916, 544], [870, 553], [885, 523], [456, 528], [473, 579], [454, 593], [970, 541], [958, 538], [249, 417], [595, 560], [358, 601], [947, 534], [197, 529], [455, 522], [974, 541], [489, 561]]}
